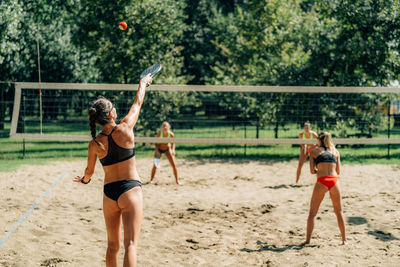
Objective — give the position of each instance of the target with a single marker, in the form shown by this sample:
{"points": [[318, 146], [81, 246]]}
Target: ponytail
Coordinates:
{"points": [[92, 123], [326, 140], [98, 113]]}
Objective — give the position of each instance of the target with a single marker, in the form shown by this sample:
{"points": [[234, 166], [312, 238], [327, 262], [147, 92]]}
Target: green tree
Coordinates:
{"points": [[353, 43], [24, 24], [154, 34], [206, 20], [262, 44]]}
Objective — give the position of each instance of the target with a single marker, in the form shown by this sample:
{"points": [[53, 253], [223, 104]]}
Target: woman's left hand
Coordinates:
{"points": [[78, 179]]}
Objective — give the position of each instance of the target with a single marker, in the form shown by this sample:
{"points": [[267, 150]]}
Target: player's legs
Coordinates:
{"points": [[112, 216], [316, 199], [171, 160], [157, 154], [131, 204], [302, 158], [153, 173], [337, 207]]}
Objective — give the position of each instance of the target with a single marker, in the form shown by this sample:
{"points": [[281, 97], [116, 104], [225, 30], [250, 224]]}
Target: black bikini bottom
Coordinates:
{"points": [[162, 150], [115, 189]]}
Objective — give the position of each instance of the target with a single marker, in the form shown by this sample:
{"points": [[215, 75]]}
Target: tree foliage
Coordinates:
{"points": [[353, 43], [235, 42], [154, 34]]}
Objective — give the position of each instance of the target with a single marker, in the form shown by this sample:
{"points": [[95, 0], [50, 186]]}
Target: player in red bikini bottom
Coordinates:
{"points": [[325, 163]]}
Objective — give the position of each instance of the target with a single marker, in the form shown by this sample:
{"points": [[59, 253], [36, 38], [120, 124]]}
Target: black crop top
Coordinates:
{"points": [[116, 153], [326, 157]]}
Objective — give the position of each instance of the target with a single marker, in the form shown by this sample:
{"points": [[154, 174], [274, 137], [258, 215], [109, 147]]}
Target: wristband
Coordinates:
{"points": [[84, 182]]}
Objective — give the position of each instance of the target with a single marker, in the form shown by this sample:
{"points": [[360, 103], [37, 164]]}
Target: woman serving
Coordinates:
{"points": [[115, 147]]}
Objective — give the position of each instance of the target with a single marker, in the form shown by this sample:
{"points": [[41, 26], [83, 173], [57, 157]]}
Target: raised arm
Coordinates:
{"points": [[131, 118]]}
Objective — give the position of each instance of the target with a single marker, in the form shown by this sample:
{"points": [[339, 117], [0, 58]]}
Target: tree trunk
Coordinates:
{"points": [[396, 118], [2, 108], [276, 129], [258, 127]]}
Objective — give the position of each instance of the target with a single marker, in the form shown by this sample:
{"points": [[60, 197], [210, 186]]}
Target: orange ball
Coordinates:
{"points": [[122, 25]]}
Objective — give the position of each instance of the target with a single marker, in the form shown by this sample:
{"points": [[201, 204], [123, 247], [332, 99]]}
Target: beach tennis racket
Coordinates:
{"points": [[153, 70]]}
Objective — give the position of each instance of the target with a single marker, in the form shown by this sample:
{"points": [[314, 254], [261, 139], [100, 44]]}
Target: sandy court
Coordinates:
{"points": [[227, 213]]}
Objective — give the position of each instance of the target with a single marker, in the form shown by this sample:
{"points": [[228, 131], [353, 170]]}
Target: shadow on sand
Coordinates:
{"points": [[285, 186], [382, 236], [265, 247], [356, 220]]}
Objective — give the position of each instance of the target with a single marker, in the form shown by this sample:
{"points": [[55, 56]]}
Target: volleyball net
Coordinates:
{"points": [[205, 114]]}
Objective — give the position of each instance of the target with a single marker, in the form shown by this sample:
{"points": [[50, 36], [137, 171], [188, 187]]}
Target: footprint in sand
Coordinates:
{"points": [[266, 208], [52, 262]]}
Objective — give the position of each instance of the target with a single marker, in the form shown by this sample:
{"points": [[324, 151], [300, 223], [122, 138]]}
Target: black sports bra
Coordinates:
{"points": [[326, 157], [116, 153]]}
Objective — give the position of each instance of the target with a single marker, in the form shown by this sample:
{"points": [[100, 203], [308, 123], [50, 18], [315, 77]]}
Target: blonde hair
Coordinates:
{"points": [[166, 123], [326, 140]]}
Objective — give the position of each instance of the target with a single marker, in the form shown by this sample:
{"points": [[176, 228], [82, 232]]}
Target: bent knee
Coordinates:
{"points": [[338, 211], [113, 246], [312, 215], [130, 244]]}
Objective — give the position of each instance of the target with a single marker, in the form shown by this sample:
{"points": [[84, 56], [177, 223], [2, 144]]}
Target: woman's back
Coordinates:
{"points": [[325, 161], [117, 167]]}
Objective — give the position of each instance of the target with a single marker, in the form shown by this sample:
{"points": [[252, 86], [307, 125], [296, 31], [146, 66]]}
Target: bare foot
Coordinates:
{"points": [[344, 242]]}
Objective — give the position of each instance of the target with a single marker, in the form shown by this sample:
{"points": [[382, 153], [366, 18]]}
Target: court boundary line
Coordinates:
{"points": [[32, 208], [388, 179]]}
